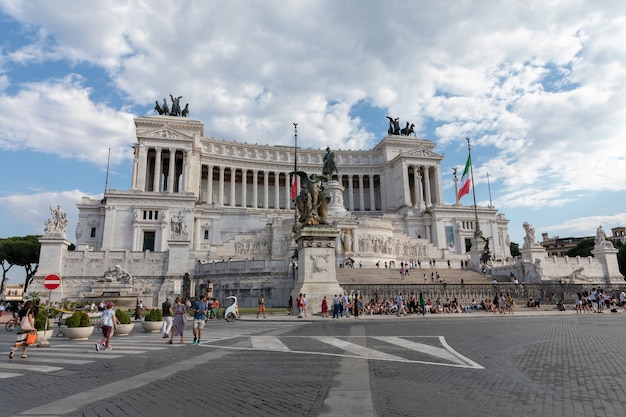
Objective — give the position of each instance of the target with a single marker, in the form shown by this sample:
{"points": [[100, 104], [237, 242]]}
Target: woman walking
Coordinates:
{"points": [[108, 322], [26, 322], [178, 324]]}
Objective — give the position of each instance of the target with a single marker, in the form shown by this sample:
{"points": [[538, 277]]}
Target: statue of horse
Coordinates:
{"points": [[408, 130], [158, 108], [185, 111], [166, 109]]}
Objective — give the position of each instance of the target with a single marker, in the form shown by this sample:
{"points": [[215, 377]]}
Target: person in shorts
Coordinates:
{"points": [[261, 306], [199, 310]]}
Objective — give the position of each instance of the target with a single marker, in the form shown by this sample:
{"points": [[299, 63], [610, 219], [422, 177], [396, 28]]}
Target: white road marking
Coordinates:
{"points": [[269, 343]]}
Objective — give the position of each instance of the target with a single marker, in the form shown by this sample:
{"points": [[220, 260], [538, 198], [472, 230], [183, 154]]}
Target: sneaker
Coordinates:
{"points": [[198, 342], [98, 347], [108, 349], [194, 340]]}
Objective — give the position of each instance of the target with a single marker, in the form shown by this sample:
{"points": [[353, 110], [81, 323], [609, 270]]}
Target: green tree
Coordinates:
{"points": [[514, 249], [582, 249], [20, 251], [621, 260]]}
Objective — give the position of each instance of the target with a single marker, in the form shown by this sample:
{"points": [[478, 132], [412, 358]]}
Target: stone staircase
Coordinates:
{"points": [[377, 276]]}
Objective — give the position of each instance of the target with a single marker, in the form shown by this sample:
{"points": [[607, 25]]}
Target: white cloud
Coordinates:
{"points": [[540, 87]]}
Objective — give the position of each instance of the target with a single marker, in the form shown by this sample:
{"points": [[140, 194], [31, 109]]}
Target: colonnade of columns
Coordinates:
{"points": [[257, 188], [165, 170], [159, 169], [421, 189]]}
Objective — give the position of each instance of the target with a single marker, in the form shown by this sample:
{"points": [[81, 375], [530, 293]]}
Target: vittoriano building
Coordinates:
{"points": [[207, 214]]}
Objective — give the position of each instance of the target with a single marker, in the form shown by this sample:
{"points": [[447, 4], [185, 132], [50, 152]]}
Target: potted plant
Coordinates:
{"points": [[125, 326], [44, 332], [153, 321], [77, 326]]}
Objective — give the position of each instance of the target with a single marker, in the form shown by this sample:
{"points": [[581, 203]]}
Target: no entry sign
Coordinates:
{"points": [[52, 282]]}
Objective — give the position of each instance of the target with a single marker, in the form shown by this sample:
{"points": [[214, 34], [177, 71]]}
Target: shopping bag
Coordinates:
{"points": [[31, 338]]}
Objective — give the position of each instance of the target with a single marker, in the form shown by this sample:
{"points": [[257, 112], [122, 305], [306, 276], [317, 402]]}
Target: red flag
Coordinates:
{"points": [[294, 186]]}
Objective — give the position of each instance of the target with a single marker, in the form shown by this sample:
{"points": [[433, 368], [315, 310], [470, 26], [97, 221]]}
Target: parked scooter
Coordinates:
{"points": [[232, 311]]}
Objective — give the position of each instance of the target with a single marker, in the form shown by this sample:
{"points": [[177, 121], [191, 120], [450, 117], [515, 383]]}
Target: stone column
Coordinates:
{"points": [[156, 185], [244, 175], [220, 191], [276, 190], [350, 193], [406, 190], [361, 196], [209, 185], [233, 181], [255, 188], [266, 189], [171, 171], [372, 196], [427, 186]]}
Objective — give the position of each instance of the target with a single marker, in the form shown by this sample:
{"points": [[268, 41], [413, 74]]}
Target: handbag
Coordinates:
{"points": [[31, 338], [25, 323]]}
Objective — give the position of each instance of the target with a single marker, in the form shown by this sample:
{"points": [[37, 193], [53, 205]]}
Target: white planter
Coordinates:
{"points": [[123, 329], [77, 333], [151, 326], [48, 334]]}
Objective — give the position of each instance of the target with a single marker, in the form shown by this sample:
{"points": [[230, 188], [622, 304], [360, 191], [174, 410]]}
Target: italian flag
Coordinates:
{"points": [[465, 179], [294, 187]]}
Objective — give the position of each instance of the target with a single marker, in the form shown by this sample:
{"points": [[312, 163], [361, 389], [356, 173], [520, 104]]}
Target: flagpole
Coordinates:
{"points": [[477, 232], [489, 187]]}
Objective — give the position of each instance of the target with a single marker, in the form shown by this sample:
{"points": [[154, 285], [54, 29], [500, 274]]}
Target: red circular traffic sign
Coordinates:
{"points": [[52, 282]]}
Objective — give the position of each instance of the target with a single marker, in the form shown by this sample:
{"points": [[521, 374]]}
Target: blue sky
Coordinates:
{"points": [[539, 87]]}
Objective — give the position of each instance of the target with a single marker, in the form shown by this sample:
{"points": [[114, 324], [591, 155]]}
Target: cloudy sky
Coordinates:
{"points": [[538, 86]]}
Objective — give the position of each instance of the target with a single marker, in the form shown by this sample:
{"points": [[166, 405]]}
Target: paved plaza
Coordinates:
{"points": [[531, 363]]}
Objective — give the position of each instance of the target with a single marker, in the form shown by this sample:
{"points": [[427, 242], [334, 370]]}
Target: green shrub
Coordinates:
{"points": [[40, 319], [78, 319], [122, 316], [154, 315]]}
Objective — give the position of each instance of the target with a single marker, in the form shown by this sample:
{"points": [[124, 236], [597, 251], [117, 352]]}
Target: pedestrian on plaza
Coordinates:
{"points": [[178, 323], [325, 307], [261, 306], [289, 305], [108, 323], [215, 308], [138, 310], [26, 320], [304, 304], [300, 305], [399, 303], [168, 312], [422, 304], [199, 318], [336, 306], [188, 307], [345, 303]]}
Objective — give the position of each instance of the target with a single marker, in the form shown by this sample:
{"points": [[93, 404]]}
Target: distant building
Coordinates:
{"points": [[13, 292], [557, 246], [619, 234]]}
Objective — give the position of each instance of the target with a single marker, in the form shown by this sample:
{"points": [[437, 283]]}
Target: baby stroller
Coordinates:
{"points": [[231, 313]]}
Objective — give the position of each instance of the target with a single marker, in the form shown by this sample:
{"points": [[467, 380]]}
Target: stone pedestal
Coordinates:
{"points": [[51, 255], [317, 275], [475, 253], [336, 207], [532, 253], [177, 257], [607, 256]]}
